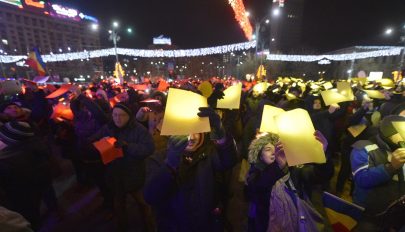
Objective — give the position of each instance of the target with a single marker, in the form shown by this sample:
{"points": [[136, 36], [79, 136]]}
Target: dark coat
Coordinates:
{"points": [[127, 174], [184, 200], [86, 124], [24, 177], [260, 182]]}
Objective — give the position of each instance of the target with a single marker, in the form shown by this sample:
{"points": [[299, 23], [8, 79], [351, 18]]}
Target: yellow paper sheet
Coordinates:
{"points": [[328, 85], [356, 129], [261, 87], [268, 123], [376, 94], [297, 136], [231, 99], [386, 83], [345, 89], [181, 113], [400, 127], [206, 88], [375, 76], [376, 118], [332, 96]]}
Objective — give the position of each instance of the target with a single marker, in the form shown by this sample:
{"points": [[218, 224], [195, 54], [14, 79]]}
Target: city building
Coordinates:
{"points": [[286, 25], [51, 28]]}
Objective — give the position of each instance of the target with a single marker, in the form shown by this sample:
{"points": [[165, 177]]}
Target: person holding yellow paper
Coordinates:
{"points": [[378, 173], [181, 181], [270, 184]]}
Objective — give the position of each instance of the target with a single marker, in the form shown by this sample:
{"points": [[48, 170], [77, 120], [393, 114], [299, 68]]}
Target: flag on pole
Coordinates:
{"points": [[342, 215], [35, 61]]}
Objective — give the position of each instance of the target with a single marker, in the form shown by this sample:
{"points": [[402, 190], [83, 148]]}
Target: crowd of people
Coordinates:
{"points": [[182, 183]]}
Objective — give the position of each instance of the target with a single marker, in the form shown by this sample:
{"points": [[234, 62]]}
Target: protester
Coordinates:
{"points": [[378, 170], [24, 170], [181, 183], [268, 167], [126, 175]]}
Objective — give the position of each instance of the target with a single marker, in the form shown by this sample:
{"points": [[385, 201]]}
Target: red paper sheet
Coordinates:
{"points": [[107, 150]]}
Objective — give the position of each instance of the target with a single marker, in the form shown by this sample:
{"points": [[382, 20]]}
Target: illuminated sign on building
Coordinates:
{"points": [[35, 3], [64, 11], [12, 2], [162, 40], [88, 17]]}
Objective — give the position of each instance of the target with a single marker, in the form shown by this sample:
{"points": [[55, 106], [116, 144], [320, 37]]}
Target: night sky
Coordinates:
{"points": [[328, 24]]}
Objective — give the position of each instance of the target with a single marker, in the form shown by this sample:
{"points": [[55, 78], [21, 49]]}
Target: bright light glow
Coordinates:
{"points": [[38, 4], [64, 11], [115, 24], [109, 31], [272, 39], [129, 30], [68, 49], [4, 41], [60, 49], [267, 21], [388, 31], [94, 26], [247, 13], [12, 2], [241, 17], [225, 49], [349, 71], [276, 12]]}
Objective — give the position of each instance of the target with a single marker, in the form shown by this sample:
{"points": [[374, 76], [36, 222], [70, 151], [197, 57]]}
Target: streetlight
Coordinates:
{"points": [[115, 38], [276, 12], [388, 31], [94, 26]]}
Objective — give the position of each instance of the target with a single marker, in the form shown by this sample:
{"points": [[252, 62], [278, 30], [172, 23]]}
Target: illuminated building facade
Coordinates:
{"points": [[25, 24], [286, 26]]}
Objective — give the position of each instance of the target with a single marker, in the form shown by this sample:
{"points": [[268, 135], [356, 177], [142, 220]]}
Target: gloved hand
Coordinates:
{"points": [[217, 131], [175, 148], [214, 97], [120, 144]]}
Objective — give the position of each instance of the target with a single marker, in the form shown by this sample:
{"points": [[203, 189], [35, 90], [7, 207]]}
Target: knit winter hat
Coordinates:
{"points": [[15, 132], [257, 145], [9, 103], [125, 108], [387, 129]]}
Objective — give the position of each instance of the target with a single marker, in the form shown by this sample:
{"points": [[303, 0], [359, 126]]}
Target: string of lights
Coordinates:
{"points": [[391, 51], [242, 18], [85, 55]]}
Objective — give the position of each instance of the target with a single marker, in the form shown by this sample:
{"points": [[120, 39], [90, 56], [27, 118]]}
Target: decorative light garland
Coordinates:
{"points": [[322, 59], [137, 53], [393, 51], [242, 18]]}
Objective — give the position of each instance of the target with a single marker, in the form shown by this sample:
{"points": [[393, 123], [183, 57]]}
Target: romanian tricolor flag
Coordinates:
{"points": [[342, 215], [35, 62]]}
